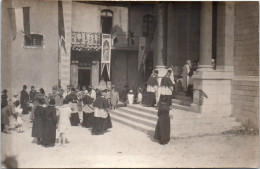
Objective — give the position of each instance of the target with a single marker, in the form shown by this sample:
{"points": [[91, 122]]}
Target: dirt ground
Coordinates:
{"points": [[125, 147]]}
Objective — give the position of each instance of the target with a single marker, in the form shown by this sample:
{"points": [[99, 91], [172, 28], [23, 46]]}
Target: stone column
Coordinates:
{"points": [[205, 36], [216, 84], [160, 41]]}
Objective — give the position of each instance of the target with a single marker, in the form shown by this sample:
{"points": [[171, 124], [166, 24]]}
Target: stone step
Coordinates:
{"points": [[134, 118], [138, 113], [176, 122], [174, 133], [180, 102], [183, 98], [150, 110], [181, 107], [132, 124], [180, 113]]}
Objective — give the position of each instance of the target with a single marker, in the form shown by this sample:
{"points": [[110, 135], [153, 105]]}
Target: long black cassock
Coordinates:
{"points": [[152, 85], [88, 111], [37, 129], [49, 126], [101, 120], [166, 88], [163, 130]]}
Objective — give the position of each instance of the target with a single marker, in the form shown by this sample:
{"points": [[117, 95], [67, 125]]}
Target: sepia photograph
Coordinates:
{"points": [[129, 84]]}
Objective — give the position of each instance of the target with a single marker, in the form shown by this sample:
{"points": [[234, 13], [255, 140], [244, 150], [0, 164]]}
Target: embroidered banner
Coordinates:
{"points": [[106, 53], [142, 44], [86, 40]]}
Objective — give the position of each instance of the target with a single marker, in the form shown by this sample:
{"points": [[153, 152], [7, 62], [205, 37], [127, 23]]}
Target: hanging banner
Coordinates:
{"points": [[142, 44], [85, 40], [106, 53]]}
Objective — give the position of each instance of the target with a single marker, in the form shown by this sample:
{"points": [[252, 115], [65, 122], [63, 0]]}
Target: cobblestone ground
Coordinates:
{"points": [[125, 147]]}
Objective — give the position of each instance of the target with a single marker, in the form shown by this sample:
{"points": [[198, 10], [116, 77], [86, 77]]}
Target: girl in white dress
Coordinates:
{"points": [[18, 113], [64, 122]]}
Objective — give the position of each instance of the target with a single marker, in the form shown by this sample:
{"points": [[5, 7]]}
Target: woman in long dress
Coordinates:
{"points": [[37, 129], [88, 110], [64, 125], [101, 121], [49, 124], [163, 130]]}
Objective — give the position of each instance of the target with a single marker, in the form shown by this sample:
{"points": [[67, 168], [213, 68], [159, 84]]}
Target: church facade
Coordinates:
{"points": [[66, 45]]}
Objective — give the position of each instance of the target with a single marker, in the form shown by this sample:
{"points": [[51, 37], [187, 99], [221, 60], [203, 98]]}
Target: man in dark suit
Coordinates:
{"points": [[24, 100]]}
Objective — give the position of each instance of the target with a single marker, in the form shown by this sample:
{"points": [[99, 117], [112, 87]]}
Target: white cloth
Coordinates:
{"points": [[139, 97], [93, 94], [87, 109], [151, 88], [130, 98], [165, 90], [18, 110], [172, 75], [100, 113], [64, 119]]}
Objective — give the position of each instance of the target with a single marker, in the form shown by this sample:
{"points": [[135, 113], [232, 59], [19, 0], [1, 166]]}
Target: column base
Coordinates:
{"points": [[212, 92]]}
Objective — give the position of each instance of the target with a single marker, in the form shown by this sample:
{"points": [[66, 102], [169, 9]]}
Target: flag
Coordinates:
{"points": [[106, 53], [19, 20], [26, 21], [61, 30]]}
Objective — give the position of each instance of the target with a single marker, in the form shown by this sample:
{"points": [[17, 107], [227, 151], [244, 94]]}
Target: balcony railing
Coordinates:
{"points": [[92, 41]]}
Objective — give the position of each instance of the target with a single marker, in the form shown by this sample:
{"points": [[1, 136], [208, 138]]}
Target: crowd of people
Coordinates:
{"points": [[53, 115]]}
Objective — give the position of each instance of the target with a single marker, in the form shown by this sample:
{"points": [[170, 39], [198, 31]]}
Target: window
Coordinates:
{"points": [[147, 24], [34, 41], [106, 20]]}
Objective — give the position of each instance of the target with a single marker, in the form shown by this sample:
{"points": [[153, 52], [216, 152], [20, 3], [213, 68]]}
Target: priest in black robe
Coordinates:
{"points": [[49, 124], [152, 86], [163, 127], [24, 100], [166, 88], [101, 120], [88, 110]]}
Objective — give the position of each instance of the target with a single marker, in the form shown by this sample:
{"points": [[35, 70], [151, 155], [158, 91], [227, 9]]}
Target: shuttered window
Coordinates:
{"points": [[34, 40]]}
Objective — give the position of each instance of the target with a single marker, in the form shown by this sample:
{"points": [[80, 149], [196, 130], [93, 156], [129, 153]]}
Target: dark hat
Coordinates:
{"points": [[52, 101], [4, 91]]}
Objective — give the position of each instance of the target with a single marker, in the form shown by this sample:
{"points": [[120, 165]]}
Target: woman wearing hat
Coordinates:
{"points": [[101, 120]]}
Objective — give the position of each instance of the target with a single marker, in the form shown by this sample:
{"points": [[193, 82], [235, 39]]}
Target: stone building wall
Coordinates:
{"points": [[245, 88], [31, 66]]}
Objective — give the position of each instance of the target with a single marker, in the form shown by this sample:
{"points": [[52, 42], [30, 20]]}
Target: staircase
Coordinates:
{"points": [[184, 122]]}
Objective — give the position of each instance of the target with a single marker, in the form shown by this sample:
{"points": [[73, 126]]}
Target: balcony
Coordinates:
{"points": [[91, 41]]}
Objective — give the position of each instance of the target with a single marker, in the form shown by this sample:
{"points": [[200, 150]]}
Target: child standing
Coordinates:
{"points": [[18, 113], [139, 98], [64, 121], [130, 97], [114, 97]]}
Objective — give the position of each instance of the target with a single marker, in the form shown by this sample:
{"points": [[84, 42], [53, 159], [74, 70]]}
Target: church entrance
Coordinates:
{"points": [[84, 77]]}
